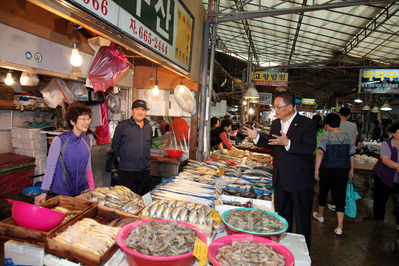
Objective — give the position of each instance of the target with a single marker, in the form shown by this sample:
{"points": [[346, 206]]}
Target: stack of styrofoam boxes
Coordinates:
{"points": [[30, 142]]}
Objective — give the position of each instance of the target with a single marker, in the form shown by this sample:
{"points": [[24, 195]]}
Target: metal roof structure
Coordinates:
{"points": [[322, 44]]}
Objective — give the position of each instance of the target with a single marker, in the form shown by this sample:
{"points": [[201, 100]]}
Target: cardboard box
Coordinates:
{"points": [[6, 96]]}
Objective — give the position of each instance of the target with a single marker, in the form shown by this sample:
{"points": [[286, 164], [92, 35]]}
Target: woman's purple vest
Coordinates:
{"points": [[70, 173], [383, 172]]}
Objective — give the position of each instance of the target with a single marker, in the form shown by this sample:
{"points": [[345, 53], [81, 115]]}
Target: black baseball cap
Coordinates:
{"points": [[140, 103]]}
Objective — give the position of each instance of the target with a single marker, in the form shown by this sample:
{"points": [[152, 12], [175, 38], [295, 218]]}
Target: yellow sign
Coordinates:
{"points": [[200, 251], [216, 217], [308, 101], [322, 99], [274, 78], [183, 37], [221, 170]]}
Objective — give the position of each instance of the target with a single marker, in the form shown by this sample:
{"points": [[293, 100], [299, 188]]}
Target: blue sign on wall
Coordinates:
{"points": [[379, 80]]}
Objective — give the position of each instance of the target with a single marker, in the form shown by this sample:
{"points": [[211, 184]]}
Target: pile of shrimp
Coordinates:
{"points": [[246, 253], [161, 239]]}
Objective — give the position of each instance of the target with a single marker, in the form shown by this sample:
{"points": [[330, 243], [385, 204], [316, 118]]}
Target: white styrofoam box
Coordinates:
{"points": [[115, 260], [296, 243], [37, 179], [51, 260], [40, 165], [27, 133], [256, 203], [21, 253], [38, 153], [30, 144], [158, 104]]}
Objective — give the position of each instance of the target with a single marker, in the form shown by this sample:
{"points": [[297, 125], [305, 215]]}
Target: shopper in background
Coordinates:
{"points": [[215, 122], [293, 140], [376, 131], [131, 144], [319, 131], [386, 177], [349, 128], [219, 136], [68, 169], [335, 163]]}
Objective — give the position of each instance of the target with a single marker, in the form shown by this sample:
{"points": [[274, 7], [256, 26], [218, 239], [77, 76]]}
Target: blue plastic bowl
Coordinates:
{"points": [[33, 190], [38, 184]]}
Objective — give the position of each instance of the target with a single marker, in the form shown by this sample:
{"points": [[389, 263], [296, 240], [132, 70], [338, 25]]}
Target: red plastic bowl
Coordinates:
{"points": [[275, 236], [134, 258], [174, 153], [226, 240], [35, 217]]}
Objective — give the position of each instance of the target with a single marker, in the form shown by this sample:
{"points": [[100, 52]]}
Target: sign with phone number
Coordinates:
{"points": [[164, 26]]}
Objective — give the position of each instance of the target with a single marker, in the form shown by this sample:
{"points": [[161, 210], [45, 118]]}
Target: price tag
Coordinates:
{"points": [[200, 251], [222, 182], [218, 189], [221, 170], [147, 199], [216, 217]]}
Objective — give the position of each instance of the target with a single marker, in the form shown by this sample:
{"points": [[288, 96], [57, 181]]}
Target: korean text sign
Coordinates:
{"points": [[164, 26], [379, 80]]}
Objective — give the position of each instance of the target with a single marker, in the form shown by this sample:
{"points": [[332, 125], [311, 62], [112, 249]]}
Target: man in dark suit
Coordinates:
{"points": [[293, 140]]}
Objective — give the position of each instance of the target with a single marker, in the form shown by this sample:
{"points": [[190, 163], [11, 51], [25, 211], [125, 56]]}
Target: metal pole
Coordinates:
{"points": [[202, 110]]}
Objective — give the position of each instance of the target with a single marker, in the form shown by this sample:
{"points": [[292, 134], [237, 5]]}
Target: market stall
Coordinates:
{"points": [[200, 196]]}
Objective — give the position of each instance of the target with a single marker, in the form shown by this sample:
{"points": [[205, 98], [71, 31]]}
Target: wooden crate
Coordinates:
{"points": [[83, 196], [101, 215], [205, 228], [10, 230]]}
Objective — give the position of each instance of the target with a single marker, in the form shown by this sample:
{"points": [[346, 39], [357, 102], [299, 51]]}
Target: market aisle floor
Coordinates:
{"points": [[361, 244]]}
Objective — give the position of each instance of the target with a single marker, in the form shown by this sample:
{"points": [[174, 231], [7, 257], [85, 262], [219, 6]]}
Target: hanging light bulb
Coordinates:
{"points": [[9, 81], [76, 60], [181, 89], [244, 103], [251, 111], [155, 91], [358, 100]]}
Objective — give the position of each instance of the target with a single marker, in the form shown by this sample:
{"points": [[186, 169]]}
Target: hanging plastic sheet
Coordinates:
{"points": [[103, 131], [108, 65]]}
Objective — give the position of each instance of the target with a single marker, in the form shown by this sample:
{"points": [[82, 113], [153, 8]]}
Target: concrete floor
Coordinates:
{"points": [[361, 242]]}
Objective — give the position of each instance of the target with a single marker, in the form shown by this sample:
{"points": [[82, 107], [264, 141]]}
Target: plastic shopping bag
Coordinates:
{"points": [[108, 65], [350, 201]]}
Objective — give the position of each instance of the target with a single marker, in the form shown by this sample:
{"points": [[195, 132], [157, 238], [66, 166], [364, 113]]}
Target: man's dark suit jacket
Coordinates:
{"points": [[295, 167]]}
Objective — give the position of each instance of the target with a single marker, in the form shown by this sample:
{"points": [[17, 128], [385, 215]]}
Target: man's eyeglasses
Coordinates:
{"points": [[279, 107], [85, 119]]}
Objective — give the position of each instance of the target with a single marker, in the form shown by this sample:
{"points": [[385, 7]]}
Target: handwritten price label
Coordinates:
{"points": [[221, 170], [147, 199], [216, 217], [200, 251]]}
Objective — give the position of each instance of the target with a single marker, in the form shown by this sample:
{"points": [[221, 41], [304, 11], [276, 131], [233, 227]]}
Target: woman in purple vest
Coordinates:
{"points": [[386, 177], [68, 169]]}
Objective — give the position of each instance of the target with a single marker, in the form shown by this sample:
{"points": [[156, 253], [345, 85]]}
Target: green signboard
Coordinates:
{"points": [[164, 26]]}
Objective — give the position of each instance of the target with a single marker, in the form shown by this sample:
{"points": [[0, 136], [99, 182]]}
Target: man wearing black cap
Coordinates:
{"points": [[131, 144]]}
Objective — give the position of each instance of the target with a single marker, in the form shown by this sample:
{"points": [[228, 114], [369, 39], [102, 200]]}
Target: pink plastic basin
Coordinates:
{"points": [[35, 217], [226, 240], [134, 258]]}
